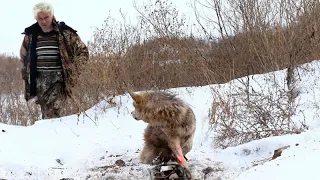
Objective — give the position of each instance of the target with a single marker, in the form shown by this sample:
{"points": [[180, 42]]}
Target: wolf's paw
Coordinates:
{"points": [[156, 161]]}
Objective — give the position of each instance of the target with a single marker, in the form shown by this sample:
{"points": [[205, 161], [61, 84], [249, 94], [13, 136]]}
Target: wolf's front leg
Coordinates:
{"points": [[174, 144]]}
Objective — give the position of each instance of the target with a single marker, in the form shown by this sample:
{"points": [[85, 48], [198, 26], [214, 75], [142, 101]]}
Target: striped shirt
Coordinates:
{"points": [[48, 57]]}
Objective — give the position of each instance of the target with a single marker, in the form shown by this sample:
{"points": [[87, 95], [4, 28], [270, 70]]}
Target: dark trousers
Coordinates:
{"points": [[51, 94]]}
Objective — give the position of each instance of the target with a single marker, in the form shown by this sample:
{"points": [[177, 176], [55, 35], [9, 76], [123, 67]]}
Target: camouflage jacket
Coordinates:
{"points": [[74, 53]]}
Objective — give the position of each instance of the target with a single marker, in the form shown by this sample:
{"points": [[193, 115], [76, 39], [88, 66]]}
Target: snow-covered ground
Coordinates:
{"points": [[91, 145]]}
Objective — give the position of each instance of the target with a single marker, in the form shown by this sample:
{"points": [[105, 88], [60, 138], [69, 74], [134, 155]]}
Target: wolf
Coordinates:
{"points": [[171, 126]]}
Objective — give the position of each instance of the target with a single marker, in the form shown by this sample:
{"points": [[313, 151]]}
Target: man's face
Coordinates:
{"points": [[45, 20]]}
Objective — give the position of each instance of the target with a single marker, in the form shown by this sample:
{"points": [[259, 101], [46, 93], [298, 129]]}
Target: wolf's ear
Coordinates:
{"points": [[136, 97]]}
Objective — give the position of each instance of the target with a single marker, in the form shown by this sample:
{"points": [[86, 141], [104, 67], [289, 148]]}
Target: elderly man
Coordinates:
{"points": [[53, 55]]}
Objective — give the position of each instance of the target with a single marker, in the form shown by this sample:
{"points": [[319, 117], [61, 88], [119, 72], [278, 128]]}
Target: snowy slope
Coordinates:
{"points": [[299, 161], [88, 146]]}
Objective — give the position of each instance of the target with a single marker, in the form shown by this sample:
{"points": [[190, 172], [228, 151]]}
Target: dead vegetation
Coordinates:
{"points": [[258, 37], [13, 108]]}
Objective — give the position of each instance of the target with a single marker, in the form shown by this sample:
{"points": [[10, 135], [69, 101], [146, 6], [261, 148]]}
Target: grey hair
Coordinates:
{"points": [[42, 7]]}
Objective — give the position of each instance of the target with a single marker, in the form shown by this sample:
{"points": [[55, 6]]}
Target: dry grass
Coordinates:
{"points": [[13, 108], [268, 36]]}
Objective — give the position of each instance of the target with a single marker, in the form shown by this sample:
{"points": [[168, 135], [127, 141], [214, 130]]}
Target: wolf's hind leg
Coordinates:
{"points": [[148, 153]]}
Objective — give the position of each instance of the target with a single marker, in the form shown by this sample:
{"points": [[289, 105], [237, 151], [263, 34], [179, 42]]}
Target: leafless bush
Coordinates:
{"points": [[153, 54], [13, 108], [253, 108], [257, 37], [252, 37]]}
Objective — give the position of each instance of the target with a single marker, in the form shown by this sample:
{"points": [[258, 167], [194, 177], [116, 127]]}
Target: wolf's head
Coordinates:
{"points": [[157, 107], [138, 99], [138, 102]]}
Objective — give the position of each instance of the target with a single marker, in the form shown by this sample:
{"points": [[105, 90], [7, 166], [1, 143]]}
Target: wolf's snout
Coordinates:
{"points": [[134, 115]]}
